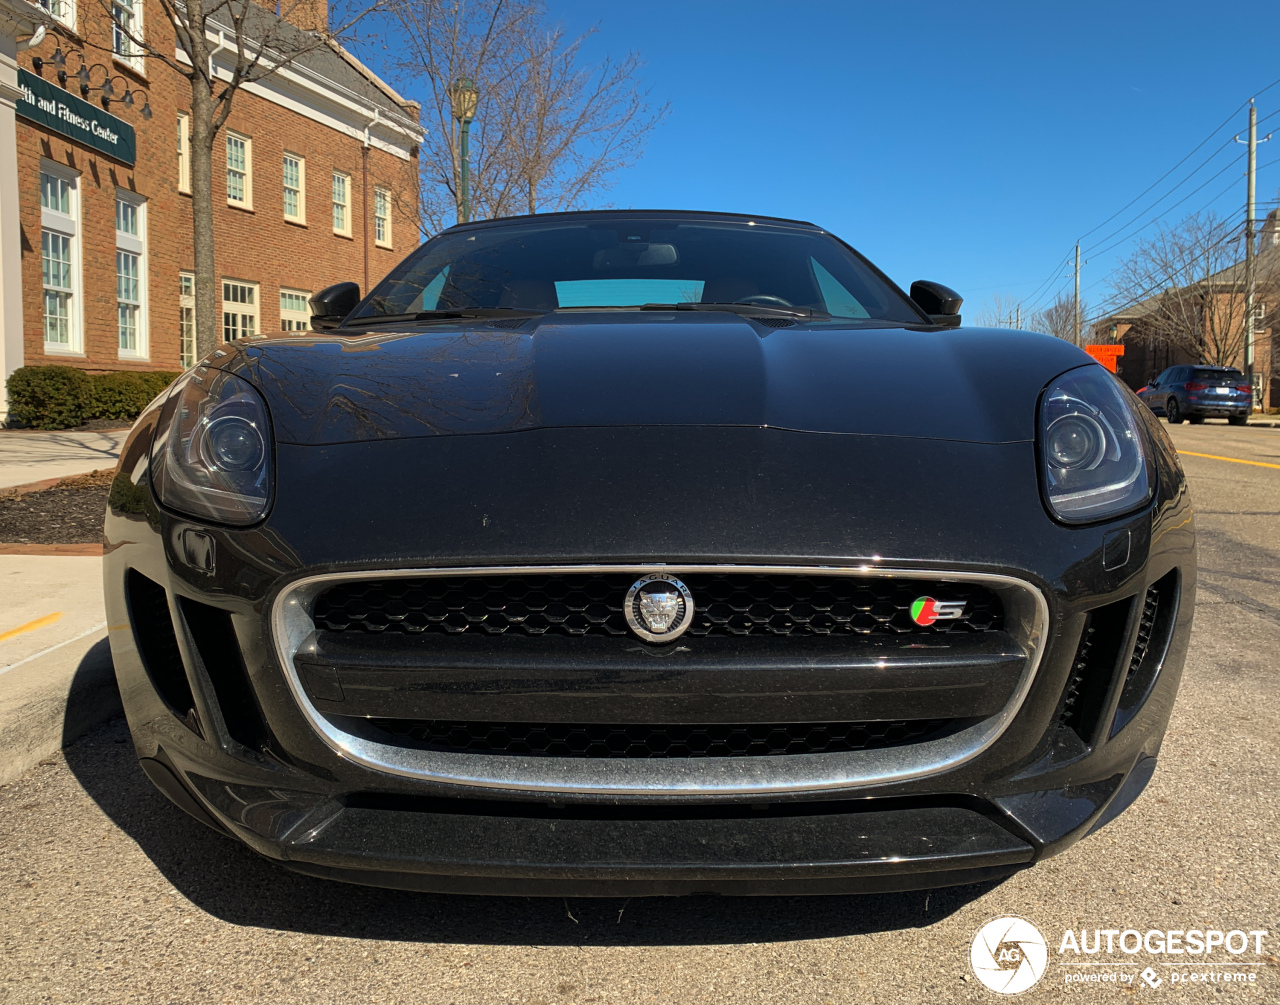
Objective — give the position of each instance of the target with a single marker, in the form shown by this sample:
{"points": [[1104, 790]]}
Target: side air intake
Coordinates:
{"points": [[158, 645], [1093, 669], [215, 640], [1155, 629]]}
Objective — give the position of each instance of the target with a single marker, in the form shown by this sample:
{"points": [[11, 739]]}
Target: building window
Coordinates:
{"points": [[63, 10], [126, 26], [184, 152], [55, 193], [131, 276], [187, 318], [59, 260], [295, 182], [295, 312], [341, 204], [382, 217], [239, 171], [239, 310], [55, 270], [128, 304]]}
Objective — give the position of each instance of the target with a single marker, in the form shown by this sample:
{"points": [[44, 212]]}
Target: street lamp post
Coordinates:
{"points": [[463, 98]]}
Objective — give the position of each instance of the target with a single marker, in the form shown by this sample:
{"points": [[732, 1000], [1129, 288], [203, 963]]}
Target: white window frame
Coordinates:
{"points": [[241, 310], [382, 221], [345, 230], [295, 319], [63, 11], [186, 319], [134, 244], [123, 48], [247, 203], [65, 225], [184, 153], [301, 215]]}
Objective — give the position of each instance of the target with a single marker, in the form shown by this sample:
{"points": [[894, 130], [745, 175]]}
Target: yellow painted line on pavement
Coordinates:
{"points": [[1234, 460], [31, 626]]}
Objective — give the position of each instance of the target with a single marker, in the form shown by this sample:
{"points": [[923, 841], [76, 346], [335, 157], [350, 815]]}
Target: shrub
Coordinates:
{"points": [[49, 397], [59, 397], [118, 396]]}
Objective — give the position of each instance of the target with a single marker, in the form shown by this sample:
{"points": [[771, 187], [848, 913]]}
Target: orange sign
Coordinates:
{"points": [[1106, 354]]}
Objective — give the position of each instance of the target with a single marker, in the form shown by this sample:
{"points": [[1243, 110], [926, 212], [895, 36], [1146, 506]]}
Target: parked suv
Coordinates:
{"points": [[1197, 392]]}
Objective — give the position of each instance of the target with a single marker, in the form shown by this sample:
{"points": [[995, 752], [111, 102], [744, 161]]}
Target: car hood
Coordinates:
{"points": [[651, 369]]}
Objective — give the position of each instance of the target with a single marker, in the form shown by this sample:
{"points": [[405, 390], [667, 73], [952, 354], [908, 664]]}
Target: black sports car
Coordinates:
{"points": [[649, 553]]}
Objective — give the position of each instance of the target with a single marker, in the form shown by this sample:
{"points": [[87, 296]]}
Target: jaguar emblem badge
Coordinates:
{"points": [[659, 608]]}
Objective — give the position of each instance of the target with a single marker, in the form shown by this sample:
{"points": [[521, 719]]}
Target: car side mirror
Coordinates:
{"points": [[332, 304], [941, 303]]}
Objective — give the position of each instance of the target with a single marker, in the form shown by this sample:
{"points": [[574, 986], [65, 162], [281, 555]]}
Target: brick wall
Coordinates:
{"points": [[258, 246]]}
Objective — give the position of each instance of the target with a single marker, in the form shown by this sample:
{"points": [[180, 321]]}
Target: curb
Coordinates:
{"points": [[48, 483], [51, 549], [50, 700]]}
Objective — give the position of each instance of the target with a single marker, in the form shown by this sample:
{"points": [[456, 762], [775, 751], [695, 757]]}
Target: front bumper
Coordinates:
{"points": [[246, 756]]}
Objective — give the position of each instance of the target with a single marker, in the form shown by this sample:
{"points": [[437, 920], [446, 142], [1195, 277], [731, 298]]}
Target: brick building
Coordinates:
{"points": [[1219, 299], [321, 172]]}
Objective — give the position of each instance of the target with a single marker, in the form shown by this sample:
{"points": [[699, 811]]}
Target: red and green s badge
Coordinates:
{"points": [[926, 610]]}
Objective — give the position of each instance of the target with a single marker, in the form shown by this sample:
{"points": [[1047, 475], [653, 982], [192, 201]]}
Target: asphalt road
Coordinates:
{"points": [[109, 894]]}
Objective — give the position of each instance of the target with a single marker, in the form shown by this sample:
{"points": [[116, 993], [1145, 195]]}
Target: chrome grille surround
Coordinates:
{"points": [[1026, 619]]}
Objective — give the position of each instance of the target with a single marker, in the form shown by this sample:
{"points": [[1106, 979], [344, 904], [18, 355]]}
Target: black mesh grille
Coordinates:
{"points": [[508, 322], [1146, 625], [645, 740], [775, 322], [736, 604]]}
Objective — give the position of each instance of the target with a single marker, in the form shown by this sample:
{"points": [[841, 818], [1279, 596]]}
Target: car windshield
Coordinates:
{"points": [[1217, 374], [627, 261]]}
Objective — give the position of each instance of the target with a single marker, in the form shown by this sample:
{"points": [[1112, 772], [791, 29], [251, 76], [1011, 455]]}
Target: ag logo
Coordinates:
{"points": [[1008, 955]]}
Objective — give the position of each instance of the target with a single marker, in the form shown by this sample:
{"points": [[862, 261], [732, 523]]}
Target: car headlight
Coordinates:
{"points": [[1094, 461], [212, 452]]}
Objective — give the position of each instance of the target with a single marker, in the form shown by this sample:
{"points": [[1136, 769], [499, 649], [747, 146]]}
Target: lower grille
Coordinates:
{"points": [[650, 741]]}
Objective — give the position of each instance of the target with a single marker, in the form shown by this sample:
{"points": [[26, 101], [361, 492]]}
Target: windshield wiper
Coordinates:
{"points": [[748, 310], [451, 314]]}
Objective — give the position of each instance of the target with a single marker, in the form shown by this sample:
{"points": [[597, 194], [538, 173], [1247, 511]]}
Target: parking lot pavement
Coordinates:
{"points": [[32, 455], [55, 671], [109, 894]]}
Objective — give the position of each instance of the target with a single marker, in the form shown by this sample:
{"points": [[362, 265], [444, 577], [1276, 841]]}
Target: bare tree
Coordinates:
{"points": [[257, 42], [1002, 311], [1185, 287], [549, 131], [1059, 320]]}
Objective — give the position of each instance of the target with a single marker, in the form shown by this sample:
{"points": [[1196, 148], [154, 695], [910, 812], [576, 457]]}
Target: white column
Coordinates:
{"points": [[10, 234]]}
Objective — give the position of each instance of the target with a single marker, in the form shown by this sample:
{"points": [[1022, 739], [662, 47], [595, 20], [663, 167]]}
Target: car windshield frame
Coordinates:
{"points": [[638, 260]]}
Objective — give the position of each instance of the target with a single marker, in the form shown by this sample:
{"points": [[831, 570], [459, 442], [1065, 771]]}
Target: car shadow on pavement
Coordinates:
{"points": [[230, 882]]}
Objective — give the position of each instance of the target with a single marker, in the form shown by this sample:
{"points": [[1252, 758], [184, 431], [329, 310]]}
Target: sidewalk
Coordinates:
{"points": [[56, 677], [33, 455]]}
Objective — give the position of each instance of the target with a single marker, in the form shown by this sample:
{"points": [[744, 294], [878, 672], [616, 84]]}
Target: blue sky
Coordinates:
{"points": [[970, 143]]}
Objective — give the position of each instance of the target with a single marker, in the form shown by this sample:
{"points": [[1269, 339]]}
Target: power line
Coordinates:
{"points": [[1214, 132], [1161, 284], [1038, 294]]}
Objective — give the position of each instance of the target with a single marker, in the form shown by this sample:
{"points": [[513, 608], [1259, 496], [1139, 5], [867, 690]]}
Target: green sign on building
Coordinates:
{"points": [[76, 118]]}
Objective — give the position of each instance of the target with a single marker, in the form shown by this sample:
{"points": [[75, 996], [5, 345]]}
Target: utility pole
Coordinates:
{"points": [[1250, 271], [1248, 250], [1077, 293], [1018, 324]]}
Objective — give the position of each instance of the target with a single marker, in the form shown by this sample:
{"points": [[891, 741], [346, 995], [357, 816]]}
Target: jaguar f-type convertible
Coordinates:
{"points": [[629, 553]]}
